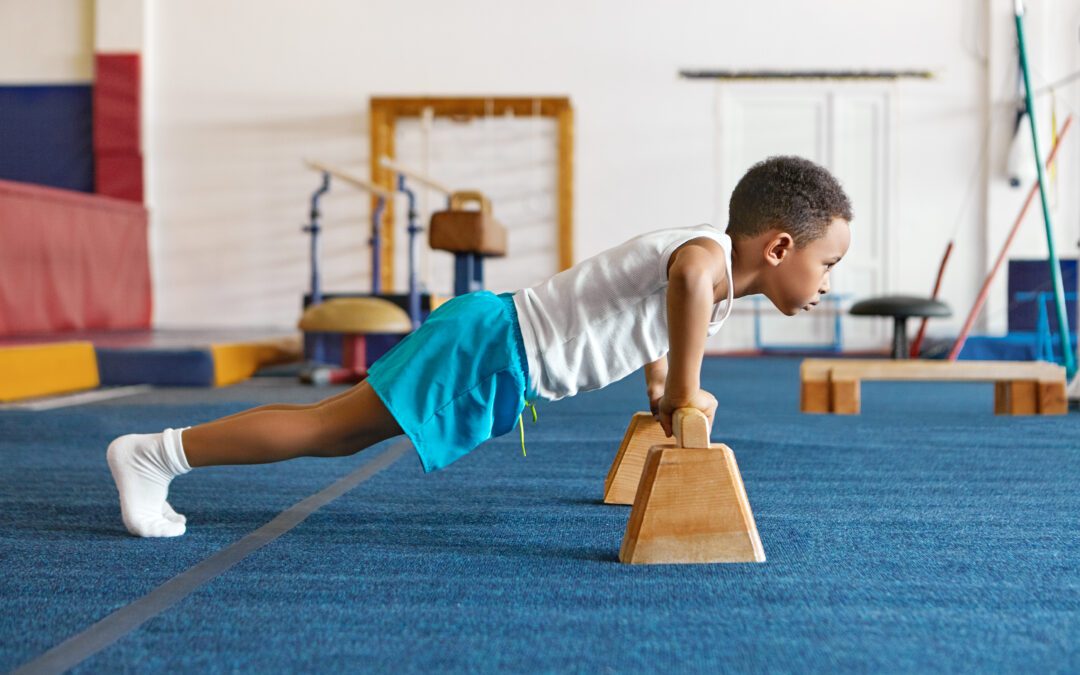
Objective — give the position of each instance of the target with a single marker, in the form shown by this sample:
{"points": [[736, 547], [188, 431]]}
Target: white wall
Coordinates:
{"points": [[46, 42], [240, 91]]}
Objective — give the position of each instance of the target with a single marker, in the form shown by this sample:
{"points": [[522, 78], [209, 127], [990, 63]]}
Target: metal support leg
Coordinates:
{"points": [[899, 338], [468, 273]]}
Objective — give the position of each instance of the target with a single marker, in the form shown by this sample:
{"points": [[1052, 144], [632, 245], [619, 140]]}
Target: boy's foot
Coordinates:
{"points": [[143, 468], [169, 514]]}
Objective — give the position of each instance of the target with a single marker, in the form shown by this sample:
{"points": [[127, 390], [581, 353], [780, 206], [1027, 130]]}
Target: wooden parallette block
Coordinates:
{"points": [[464, 231], [691, 505], [1021, 387], [1052, 398], [1016, 397], [625, 473]]}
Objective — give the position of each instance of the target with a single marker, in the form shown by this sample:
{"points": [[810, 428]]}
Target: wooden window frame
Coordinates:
{"points": [[385, 112]]}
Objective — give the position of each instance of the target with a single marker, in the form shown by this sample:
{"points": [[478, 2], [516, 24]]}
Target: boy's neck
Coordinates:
{"points": [[744, 274]]}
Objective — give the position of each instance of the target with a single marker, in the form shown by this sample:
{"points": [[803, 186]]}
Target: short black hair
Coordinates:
{"points": [[788, 193]]}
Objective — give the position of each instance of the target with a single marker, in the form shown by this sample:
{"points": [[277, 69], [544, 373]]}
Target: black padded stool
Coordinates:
{"points": [[900, 308]]}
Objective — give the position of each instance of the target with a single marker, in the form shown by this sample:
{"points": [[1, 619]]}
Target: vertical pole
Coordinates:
{"points": [[414, 252], [376, 246], [838, 330], [565, 118], [757, 324], [314, 227], [463, 273], [382, 145], [1055, 268]]}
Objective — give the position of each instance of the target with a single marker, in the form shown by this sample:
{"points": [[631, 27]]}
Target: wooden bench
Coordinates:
{"points": [[1020, 387]]}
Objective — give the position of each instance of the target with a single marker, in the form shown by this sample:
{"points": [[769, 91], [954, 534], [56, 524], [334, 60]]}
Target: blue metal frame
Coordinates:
{"points": [[414, 252], [314, 228], [468, 273], [833, 301], [376, 246], [1042, 330]]}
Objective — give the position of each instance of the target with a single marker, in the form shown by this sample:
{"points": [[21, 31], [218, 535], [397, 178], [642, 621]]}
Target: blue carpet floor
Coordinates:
{"points": [[925, 535]]}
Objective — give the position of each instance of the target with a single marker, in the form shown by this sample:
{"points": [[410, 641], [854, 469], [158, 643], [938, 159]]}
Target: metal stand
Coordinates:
{"points": [[414, 253], [468, 273], [317, 351]]}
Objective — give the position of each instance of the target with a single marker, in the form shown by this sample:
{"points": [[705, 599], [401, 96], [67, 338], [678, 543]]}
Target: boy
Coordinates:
{"points": [[465, 374]]}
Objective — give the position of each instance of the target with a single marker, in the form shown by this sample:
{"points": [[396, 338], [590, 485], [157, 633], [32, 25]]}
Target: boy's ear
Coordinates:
{"points": [[778, 248]]}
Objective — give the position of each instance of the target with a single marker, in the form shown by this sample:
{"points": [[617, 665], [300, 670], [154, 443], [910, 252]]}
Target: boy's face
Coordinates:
{"points": [[801, 275]]}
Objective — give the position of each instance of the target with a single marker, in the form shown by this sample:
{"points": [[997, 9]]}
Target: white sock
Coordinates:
{"points": [[143, 465]]}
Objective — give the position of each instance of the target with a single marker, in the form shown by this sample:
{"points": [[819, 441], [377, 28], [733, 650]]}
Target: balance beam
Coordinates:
{"points": [[1020, 387]]}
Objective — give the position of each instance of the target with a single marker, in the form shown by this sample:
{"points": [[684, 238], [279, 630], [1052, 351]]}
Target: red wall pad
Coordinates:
{"points": [[119, 176], [71, 261], [116, 104]]}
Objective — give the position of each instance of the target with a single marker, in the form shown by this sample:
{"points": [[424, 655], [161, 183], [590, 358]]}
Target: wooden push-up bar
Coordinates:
{"points": [[1021, 387], [377, 190], [690, 504]]}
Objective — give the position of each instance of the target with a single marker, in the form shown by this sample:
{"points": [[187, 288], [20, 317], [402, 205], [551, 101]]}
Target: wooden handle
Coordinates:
{"points": [[691, 428], [459, 199]]}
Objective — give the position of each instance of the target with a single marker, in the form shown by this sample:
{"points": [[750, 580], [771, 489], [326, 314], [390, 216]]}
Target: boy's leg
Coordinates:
{"points": [[339, 426], [285, 406], [143, 465]]}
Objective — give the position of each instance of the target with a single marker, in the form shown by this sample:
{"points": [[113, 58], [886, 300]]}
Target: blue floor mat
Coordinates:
{"points": [[924, 535]]}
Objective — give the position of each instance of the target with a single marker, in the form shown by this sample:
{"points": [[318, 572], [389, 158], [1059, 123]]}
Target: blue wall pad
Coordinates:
{"points": [[163, 367], [1033, 276], [1011, 347], [46, 136], [1017, 347]]}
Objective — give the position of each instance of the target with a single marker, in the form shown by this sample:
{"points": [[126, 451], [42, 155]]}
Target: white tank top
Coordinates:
{"points": [[605, 317]]}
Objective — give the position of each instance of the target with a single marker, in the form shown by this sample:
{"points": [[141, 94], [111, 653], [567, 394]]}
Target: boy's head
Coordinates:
{"points": [[786, 193], [790, 217]]}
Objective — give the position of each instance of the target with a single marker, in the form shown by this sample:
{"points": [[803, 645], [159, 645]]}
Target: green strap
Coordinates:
{"points": [[521, 426], [1067, 353]]}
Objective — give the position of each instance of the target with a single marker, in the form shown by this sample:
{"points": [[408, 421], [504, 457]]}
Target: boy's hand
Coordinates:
{"points": [[701, 399], [655, 393], [655, 383]]}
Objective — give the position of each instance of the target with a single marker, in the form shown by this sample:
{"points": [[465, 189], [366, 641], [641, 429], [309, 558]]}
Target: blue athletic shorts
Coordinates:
{"points": [[459, 379]]}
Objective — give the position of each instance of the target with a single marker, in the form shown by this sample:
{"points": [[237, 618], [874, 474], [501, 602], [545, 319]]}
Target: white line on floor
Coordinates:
{"points": [[81, 398], [76, 649]]}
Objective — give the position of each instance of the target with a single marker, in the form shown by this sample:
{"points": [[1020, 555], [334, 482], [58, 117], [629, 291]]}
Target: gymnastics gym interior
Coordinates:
{"points": [[211, 205]]}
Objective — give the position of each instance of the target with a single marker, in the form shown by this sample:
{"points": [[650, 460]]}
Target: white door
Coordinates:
{"points": [[845, 127]]}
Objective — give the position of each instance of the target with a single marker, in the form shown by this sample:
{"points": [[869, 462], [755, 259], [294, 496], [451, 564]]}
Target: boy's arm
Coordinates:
{"points": [[655, 380], [692, 276]]}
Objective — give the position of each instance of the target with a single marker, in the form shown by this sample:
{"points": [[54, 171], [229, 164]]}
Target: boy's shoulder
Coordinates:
{"points": [[706, 229], [648, 253], [673, 237]]}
